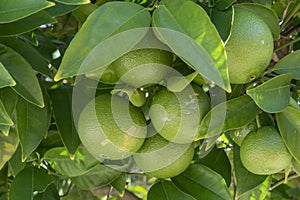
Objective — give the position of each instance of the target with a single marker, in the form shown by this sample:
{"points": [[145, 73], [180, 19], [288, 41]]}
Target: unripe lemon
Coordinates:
{"points": [[249, 47], [108, 131], [263, 152], [163, 159]]}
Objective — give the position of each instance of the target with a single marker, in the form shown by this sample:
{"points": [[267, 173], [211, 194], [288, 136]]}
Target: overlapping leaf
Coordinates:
{"points": [[4, 117], [27, 84], [229, 115], [202, 183], [14, 10], [166, 190], [274, 95], [98, 28], [206, 52], [5, 78], [289, 127], [289, 64], [74, 2], [32, 125], [27, 182]]}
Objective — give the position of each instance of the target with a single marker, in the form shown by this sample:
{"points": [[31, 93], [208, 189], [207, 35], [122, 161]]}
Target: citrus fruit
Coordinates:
{"points": [[163, 159], [238, 135], [263, 152], [176, 116], [249, 47], [111, 128]]}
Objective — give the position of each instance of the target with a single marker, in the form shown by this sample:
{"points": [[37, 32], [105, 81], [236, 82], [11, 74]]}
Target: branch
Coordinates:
{"points": [[283, 180], [110, 190]]}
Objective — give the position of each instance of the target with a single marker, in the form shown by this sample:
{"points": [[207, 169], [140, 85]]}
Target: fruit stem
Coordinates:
{"points": [[257, 121], [283, 180]]}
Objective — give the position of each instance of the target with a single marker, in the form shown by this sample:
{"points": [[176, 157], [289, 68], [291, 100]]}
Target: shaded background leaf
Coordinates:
{"points": [[289, 64]]}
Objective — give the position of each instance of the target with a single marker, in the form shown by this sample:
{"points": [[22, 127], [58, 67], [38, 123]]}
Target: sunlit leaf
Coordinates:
{"points": [[4, 117], [73, 2], [14, 10], [166, 190], [273, 95], [27, 84], [196, 41], [97, 29], [5, 78]]}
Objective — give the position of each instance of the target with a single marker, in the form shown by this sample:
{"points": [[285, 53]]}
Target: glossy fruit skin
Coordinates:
{"points": [[263, 152], [143, 66], [179, 122], [99, 131], [249, 47], [163, 159]]}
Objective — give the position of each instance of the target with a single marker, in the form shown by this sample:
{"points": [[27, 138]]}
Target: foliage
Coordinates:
{"points": [[53, 52]]}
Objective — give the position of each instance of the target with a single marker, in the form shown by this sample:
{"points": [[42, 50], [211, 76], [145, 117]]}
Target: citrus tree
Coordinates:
{"points": [[149, 99]]}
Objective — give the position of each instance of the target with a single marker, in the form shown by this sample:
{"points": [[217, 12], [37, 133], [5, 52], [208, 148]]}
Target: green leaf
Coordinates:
{"points": [[82, 13], [4, 117], [50, 193], [228, 115], [195, 41], [96, 30], [8, 145], [258, 193], [61, 9], [4, 184], [289, 127], [218, 161], [296, 166], [73, 2], [166, 190], [26, 24], [136, 96], [62, 108], [274, 95], [222, 20], [29, 53], [14, 10], [78, 194], [15, 163], [202, 183], [289, 64], [60, 160], [32, 126], [119, 184], [5, 78], [223, 4], [27, 182], [9, 100], [178, 83], [266, 14], [27, 84], [245, 180], [98, 176]]}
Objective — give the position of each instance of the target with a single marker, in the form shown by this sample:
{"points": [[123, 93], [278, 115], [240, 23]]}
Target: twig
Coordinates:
{"points": [[283, 180]]}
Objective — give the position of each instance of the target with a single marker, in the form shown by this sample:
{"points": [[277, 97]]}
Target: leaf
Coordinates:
{"points": [[178, 83], [50, 193], [62, 108], [78, 194], [101, 48], [32, 126], [136, 97], [274, 95], [98, 176], [166, 190], [289, 64], [26, 24], [222, 20], [202, 183], [289, 127], [266, 14], [14, 10], [259, 193], [245, 180], [9, 100], [4, 117], [61, 9], [296, 166], [4, 183], [223, 4], [228, 115], [218, 161], [195, 41], [119, 184], [29, 53], [73, 2], [60, 160], [15, 163], [29, 181], [5, 78], [27, 84], [8, 145]]}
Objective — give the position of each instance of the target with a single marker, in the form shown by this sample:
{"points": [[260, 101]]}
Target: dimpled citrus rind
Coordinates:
{"points": [[263, 152], [249, 48], [102, 136]]}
